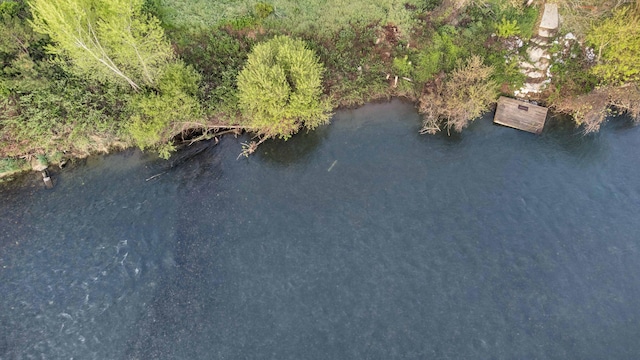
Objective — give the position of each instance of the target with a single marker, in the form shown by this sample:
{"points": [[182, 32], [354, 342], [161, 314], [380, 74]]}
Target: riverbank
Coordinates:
{"points": [[452, 59]]}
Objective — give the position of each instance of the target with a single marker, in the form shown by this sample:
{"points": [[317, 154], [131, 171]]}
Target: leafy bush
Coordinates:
{"points": [[441, 55], [280, 88], [507, 17], [9, 8], [466, 94], [218, 56], [402, 66], [63, 113], [263, 10], [507, 28], [240, 23], [571, 74], [155, 116]]}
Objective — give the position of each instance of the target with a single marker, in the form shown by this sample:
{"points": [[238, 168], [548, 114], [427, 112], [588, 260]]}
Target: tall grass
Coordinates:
{"points": [[578, 15]]}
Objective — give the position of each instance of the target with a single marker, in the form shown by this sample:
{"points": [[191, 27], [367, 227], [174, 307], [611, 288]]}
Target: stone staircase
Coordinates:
{"points": [[536, 66]]}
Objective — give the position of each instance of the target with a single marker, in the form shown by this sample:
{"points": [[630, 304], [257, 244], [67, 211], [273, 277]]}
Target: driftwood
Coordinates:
{"points": [[155, 176]]}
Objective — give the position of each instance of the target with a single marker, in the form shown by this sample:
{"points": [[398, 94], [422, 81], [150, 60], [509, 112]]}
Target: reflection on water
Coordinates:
{"points": [[360, 240]]}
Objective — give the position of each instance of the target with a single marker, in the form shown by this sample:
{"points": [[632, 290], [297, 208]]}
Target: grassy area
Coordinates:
{"points": [[296, 16], [10, 165]]}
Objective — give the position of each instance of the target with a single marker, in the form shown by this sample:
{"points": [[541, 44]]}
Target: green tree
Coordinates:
{"points": [[617, 43], [157, 117], [280, 89], [105, 40]]}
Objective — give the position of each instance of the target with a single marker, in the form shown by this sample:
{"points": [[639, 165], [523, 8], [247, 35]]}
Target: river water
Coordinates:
{"points": [[361, 240]]}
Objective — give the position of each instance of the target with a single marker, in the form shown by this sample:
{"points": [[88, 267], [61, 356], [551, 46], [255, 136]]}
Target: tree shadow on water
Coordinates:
{"points": [[295, 150], [561, 132]]}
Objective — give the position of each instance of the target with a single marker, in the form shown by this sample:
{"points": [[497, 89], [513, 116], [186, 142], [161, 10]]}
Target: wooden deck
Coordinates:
{"points": [[520, 115]]}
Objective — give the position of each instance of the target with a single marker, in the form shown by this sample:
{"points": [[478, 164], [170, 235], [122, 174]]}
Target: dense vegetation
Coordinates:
{"points": [[80, 76], [280, 88]]}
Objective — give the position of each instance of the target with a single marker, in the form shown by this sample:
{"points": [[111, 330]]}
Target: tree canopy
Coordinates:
{"points": [[105, 40], [280, 88]]}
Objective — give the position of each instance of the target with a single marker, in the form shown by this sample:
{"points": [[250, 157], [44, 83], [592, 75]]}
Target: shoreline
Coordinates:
{"points": [[14, 175], [450, 62]]}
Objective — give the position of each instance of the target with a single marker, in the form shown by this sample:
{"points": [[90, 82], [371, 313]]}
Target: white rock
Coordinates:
{"points": [[531, 88], [535, 74], [590, 54], [541, 64], [570, 36], [525, 65], [535, 53], [540, 41]]}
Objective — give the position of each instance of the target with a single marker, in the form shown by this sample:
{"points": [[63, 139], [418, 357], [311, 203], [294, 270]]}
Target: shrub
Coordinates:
{"points": [[9, 8], [280, 88], [218, 57], [507, 28], [155, 116], [441, 55], [509, 17], [466, 94], [617, 42], [402, 66], [263, 10]]}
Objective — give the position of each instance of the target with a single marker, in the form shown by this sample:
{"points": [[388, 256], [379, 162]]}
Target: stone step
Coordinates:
{"points": [[536, 67], [536, 53], [531, 88], [535, 74], [546, 33], [540, 41], [550, 21], [543, 63], [530, 80], [524, 66]]}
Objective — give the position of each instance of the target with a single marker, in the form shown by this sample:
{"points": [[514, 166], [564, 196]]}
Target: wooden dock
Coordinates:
{"points": [[520, 115]]}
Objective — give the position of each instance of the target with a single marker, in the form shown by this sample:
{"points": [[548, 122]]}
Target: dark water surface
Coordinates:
{"points": [[362, 240]]}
